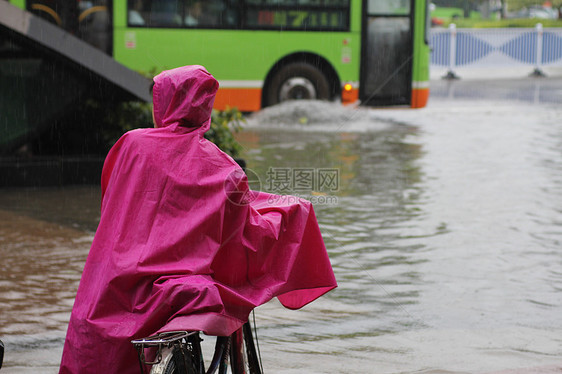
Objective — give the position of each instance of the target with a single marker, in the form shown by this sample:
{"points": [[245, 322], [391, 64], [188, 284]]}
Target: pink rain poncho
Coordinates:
{"points": [[182, 243]]}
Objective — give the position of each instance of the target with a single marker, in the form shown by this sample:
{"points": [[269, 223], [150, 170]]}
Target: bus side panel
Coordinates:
{"points": [[420, 68], [245, 99], [238, 59]]}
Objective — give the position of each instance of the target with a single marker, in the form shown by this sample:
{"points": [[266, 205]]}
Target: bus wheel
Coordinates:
{"points": [[297, 81]]}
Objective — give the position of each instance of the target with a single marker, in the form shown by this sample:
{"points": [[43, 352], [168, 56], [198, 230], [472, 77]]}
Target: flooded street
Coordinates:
{"points": [[444, 228]]}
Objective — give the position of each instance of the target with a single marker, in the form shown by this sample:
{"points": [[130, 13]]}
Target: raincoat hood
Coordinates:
{"points": [[184, 96]]}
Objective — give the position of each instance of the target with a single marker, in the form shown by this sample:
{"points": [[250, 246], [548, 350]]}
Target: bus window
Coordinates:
{"points": [[194, 13], [299, 2], [336, 2], [217, 13], [165, 13], [389, 7], [183, 13], [161, 13], [297, 19], [94, 24], [136, 13], [298, 15], [63, 13]]}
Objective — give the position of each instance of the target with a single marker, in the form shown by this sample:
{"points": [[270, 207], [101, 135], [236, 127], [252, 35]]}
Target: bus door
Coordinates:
{"points": [[89, 20], [386, 52]]}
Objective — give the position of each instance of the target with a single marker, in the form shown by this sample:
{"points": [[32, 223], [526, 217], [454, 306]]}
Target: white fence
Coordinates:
{"points": [[509, 47]]}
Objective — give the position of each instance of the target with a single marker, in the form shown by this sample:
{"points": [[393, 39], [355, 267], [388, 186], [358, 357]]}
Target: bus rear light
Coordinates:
{"points": [[349, 94]]}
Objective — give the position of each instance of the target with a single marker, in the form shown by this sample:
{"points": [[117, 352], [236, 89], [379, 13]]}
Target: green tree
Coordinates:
{"points": [[224, 124]]}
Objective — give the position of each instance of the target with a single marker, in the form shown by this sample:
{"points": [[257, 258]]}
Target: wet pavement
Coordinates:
{"points": [[527, 90], [443, 226]]}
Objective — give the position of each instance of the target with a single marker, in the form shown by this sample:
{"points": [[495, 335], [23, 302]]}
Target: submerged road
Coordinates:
{"points": [[526, 90], [444, 231]]}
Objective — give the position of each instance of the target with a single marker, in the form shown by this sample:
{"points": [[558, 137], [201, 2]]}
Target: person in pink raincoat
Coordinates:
{"points": [[182, 243]]}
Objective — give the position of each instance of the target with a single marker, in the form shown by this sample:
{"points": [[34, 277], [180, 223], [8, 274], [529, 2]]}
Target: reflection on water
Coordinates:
{"points": [[45, 235], [528, 90], [362, 234], [444, 236]]}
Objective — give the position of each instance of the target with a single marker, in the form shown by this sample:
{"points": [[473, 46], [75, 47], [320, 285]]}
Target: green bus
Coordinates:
{"points": [[263, 52]]}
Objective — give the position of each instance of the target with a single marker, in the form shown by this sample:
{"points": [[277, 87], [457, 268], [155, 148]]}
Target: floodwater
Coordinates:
{"points": [[444, 227]]}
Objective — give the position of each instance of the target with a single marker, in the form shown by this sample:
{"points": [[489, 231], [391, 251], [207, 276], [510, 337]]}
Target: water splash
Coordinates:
{"points": [[313, 115]]}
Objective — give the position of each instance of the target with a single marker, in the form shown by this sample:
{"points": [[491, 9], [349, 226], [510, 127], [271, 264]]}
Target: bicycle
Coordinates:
{"points": [[179, 352]]}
